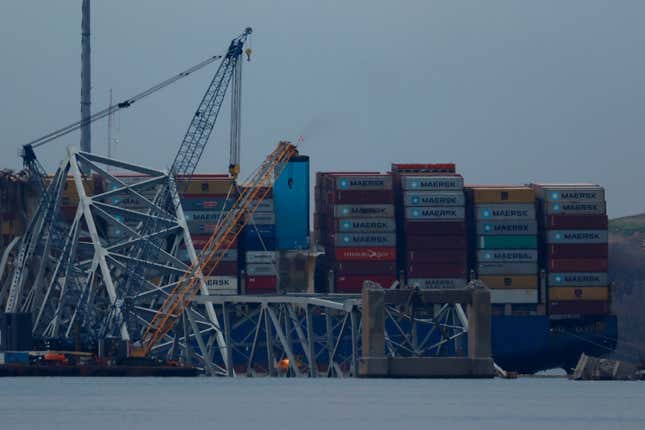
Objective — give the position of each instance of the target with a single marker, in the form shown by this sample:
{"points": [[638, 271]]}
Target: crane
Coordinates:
{"points": [[42, 229], [42, 226], [190, 152], [253, 193]]}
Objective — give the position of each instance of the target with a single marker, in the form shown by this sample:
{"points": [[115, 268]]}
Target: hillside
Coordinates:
{"points": [[628, 225]]}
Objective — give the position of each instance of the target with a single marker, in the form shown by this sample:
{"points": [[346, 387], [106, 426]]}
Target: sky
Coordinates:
{"points": [[510, 91]]}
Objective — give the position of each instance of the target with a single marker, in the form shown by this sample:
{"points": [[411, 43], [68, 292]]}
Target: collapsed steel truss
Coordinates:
{"points": [[320, 336], [82, 287]]}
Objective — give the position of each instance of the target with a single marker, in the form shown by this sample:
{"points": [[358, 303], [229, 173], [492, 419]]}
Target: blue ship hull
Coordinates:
{"points": [[529, 344]]}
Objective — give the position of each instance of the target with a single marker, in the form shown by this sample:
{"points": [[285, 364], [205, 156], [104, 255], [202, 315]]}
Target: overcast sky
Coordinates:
{"points": [[511, 91]]}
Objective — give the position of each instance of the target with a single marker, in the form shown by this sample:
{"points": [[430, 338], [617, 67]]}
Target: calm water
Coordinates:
{"points": [[307, 404]]}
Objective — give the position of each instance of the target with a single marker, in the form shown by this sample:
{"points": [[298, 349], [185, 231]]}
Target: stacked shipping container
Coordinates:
{"points": [[575, 247], [259, 246], [503, 238], [356, 225], [432, 227], [205, 200]]}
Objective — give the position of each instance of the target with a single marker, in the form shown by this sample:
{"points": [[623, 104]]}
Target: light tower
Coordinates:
{"points": [[86, 79]]}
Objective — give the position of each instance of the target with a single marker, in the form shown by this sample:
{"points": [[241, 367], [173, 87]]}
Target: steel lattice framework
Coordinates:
{"points": [[87, 292], [320, 335]]}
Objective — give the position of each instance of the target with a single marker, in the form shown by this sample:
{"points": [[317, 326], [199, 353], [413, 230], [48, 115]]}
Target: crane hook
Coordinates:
{"points": [[248, 52]]}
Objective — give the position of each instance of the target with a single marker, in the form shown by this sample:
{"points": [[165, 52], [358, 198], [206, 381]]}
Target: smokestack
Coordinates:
{"points": [[86, 79]]}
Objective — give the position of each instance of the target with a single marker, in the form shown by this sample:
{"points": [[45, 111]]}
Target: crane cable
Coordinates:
{"points": [[122, 105]]}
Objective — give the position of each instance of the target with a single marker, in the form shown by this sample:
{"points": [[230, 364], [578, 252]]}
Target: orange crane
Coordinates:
{"points": [[251, 196]]}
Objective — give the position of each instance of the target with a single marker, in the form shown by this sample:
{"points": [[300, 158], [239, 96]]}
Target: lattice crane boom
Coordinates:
{"points": [[253, 193]]}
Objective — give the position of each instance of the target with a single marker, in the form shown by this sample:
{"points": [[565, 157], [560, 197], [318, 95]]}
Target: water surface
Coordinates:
{"points": [[310, 404]]}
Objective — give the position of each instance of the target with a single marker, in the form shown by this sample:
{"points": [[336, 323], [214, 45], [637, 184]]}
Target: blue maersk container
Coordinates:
{"points": [[291, 199]]}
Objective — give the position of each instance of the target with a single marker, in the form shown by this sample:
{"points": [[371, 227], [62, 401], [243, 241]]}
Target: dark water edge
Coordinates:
{"points": [[308, 404]]}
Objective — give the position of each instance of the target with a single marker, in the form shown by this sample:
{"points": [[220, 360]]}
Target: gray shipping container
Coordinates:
{"points": [[262, 270], [434, 213], [505, 211], [265, 205], [378, 225], [227, 254], [261, 257], [433, 198], [204, 216], [427, 283], [507, 255], [365, 239], [572, 193], [432, 183], [504, 228], [496, 268], [575, 208], [363, 182], [579, 279], [261, 218], [576, 236], [364, 211]]}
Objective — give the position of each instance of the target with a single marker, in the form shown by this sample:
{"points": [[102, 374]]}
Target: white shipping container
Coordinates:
{"points": [[506, 228], [503, 211], [364, 211], [576, 236], [513, 296], [576, 208], [498, 268], [432, 183], [436, 283], [366, 239], [261, 257], [204, 216], [261, 218], [227, 255], [507, 255], [265, 205], [372, 225], [221, 284], [262, 270], [583, 193], [363, 182], [587, 279], [434, 213], [433, 198]]}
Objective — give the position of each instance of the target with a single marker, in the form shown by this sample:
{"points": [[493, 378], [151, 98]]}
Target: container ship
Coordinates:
{"points": [[541, 248]]}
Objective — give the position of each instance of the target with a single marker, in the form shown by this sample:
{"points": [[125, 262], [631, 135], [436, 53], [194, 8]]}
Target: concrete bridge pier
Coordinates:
{"points": [[373, 362]]}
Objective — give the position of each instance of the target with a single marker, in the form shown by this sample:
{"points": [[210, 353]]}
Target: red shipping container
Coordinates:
{"points": [[361, 197], [438, 270], [435, 228], [223, 268], [435, 242], [577, 222], [579, 308], [436, 256], [588, 250], [572, 265], [354, 284], [423, 167], [351, 268], [261, 284], [365, 254]]}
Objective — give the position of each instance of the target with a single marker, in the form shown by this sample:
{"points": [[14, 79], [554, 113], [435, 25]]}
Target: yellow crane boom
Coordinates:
{"points": [[253, 193]]}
